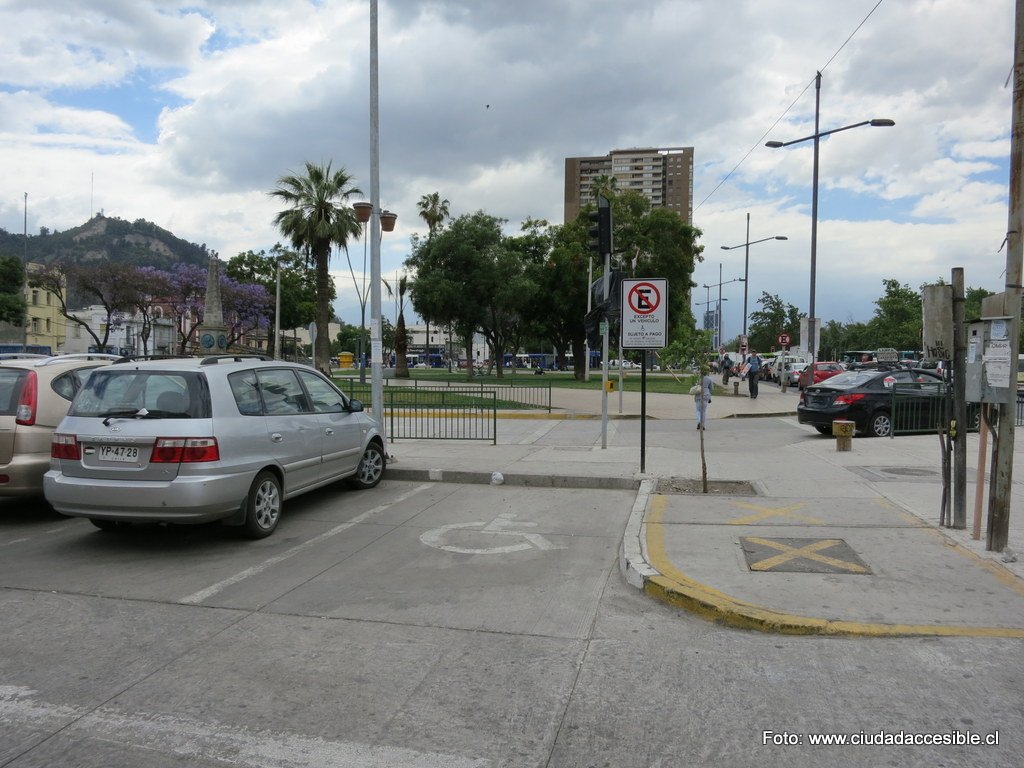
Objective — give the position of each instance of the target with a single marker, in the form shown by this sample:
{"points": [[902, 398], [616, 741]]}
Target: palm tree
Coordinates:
{"points": [[433, 210], [316, 219]]}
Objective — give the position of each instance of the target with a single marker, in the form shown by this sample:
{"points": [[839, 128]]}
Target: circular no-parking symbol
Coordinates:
{"points": [[644, 298]]}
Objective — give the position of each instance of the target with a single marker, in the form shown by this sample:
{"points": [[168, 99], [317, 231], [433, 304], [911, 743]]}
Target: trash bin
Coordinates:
{"points": [[609, 385]]}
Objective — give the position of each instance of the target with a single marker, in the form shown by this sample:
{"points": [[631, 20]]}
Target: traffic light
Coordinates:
{"points": [[601, 234]]}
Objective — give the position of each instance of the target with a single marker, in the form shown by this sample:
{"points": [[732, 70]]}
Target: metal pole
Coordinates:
{"points": [[1002, 451], [586, 344], [376, 346], [721, 341], [958, 368], [24, 269], [277, 315], [746, 275], [604, 356], [811, 329]]}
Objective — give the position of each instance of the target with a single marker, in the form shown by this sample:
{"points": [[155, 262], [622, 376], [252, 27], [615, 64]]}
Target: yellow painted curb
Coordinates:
{"points": [[674, 587]]}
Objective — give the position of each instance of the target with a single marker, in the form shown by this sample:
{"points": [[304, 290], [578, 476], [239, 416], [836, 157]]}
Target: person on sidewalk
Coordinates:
{"points": [[753, 372], [702, 397]]}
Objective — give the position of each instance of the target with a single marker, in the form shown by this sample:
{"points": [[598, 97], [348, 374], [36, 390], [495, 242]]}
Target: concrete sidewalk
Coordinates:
{"points": [[793, 537]]}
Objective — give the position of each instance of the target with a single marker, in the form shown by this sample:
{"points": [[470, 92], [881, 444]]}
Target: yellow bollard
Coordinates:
{"points": [[842, 430]]}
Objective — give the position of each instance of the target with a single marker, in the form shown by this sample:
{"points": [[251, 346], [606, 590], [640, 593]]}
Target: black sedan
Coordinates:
{"points": [[865, 397]]}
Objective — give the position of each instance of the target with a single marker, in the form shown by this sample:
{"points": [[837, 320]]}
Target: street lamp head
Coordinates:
{"points": [[883, 122], [773, 144], [781, 237], [726, 248], [363, 211]]}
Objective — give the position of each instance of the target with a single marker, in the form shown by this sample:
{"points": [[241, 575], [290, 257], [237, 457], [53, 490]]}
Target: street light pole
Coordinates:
{"points": [[277, 315], [376, 341], [817, 136], [746, 264]]}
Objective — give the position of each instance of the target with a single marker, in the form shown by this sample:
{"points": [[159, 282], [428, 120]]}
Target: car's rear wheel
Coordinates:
{"points": [[823, 430], [371, 468], [880, 424], [263, 506]]}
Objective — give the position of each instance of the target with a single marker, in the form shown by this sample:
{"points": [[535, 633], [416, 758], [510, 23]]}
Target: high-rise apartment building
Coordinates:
{"points": [[662, 175]]}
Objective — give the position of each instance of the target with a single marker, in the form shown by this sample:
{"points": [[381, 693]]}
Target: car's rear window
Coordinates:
{"points": [[172, 394], [10, 390], [850, 379]]}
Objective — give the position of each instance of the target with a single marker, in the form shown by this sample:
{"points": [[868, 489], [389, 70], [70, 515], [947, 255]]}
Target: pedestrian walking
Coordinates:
{"points": [[753, 366], [701, 392], [727, 371]]}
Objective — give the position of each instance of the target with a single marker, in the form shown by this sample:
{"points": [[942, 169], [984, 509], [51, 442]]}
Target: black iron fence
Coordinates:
{"points": [[928, 406], [441, 412], [508, 395]]}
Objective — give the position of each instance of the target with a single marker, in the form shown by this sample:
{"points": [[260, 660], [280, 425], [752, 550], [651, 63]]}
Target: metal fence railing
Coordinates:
{"points": [[509, 395], [442, 413], [918, 407]]}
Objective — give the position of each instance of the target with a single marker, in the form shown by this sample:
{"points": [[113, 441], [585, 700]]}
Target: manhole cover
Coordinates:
{"points": [[801, 555], [910, 471], [668, 485]]}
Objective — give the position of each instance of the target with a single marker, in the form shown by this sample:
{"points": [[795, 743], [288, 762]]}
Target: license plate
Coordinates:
{"points": [[119, 453]]}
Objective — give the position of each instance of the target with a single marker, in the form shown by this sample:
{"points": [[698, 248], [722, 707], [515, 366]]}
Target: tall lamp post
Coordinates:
{"points": [[277, 315], [719, 285], [812, 330], [746, 264]]}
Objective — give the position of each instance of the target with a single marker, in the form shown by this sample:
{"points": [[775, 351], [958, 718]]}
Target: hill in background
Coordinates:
{"points": [[106, 239]]}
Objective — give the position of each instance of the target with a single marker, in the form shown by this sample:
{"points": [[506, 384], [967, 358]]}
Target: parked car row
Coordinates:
{"points": [[179, 440]]}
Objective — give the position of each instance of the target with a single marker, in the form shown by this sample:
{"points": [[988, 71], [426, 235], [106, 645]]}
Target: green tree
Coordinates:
{"points": [[774, 317], [453, 277], [298, 284], [897, 319], [317, 219], [12, 299]]}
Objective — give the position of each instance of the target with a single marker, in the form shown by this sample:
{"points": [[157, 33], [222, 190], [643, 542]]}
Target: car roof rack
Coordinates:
{"points": [[214, 359], [78, 356], [22, 356], [136, 358]]}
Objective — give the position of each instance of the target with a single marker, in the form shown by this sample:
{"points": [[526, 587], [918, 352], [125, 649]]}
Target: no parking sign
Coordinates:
{"points": [[644, 313]]}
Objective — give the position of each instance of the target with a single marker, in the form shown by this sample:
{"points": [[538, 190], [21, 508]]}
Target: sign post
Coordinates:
{"points": [[644, 326]]}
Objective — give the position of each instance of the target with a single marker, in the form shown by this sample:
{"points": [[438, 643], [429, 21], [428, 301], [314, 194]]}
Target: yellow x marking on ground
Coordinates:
{"points": [[806, 552], [766, 512]]}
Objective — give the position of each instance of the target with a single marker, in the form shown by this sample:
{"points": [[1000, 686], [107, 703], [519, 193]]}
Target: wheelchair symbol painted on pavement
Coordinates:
{"points": [[501, 526]]}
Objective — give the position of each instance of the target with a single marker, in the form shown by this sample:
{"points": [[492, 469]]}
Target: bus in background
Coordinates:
{"points": [[30, 349]]}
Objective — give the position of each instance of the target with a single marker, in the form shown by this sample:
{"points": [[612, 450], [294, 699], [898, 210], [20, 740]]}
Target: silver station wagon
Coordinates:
{"points": [[192, 440]]}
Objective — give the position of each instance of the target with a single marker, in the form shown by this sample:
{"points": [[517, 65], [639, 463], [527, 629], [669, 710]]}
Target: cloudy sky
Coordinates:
{"points": [[186, 114]]}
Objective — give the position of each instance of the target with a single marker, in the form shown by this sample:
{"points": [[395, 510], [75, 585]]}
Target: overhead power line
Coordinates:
{"points": [[778, 120]]}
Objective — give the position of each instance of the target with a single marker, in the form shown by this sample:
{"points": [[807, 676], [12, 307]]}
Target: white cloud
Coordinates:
{"points": [[482, 102]]}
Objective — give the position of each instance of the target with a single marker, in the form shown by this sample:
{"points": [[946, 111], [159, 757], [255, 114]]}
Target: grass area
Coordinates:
{"points": [[679, 383]]}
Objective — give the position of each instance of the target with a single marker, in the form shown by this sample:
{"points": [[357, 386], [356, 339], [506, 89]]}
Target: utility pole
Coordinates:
{"points": [[1002, 458], [959, 367]]}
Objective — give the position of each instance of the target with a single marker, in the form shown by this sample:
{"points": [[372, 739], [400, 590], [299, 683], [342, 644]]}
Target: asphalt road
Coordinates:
{"points": [[431, 625]]}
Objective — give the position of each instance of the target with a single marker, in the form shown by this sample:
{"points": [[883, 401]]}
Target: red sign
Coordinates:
{"points": [[783, 339], [644, 298]]}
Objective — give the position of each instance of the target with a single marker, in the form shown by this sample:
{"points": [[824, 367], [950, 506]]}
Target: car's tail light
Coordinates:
{"points": [[26, 412], [849, 399], [64, 447], [184, 450]]}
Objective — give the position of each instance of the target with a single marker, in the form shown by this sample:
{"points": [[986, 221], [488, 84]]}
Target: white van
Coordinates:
{"points": [[794, 361]]}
